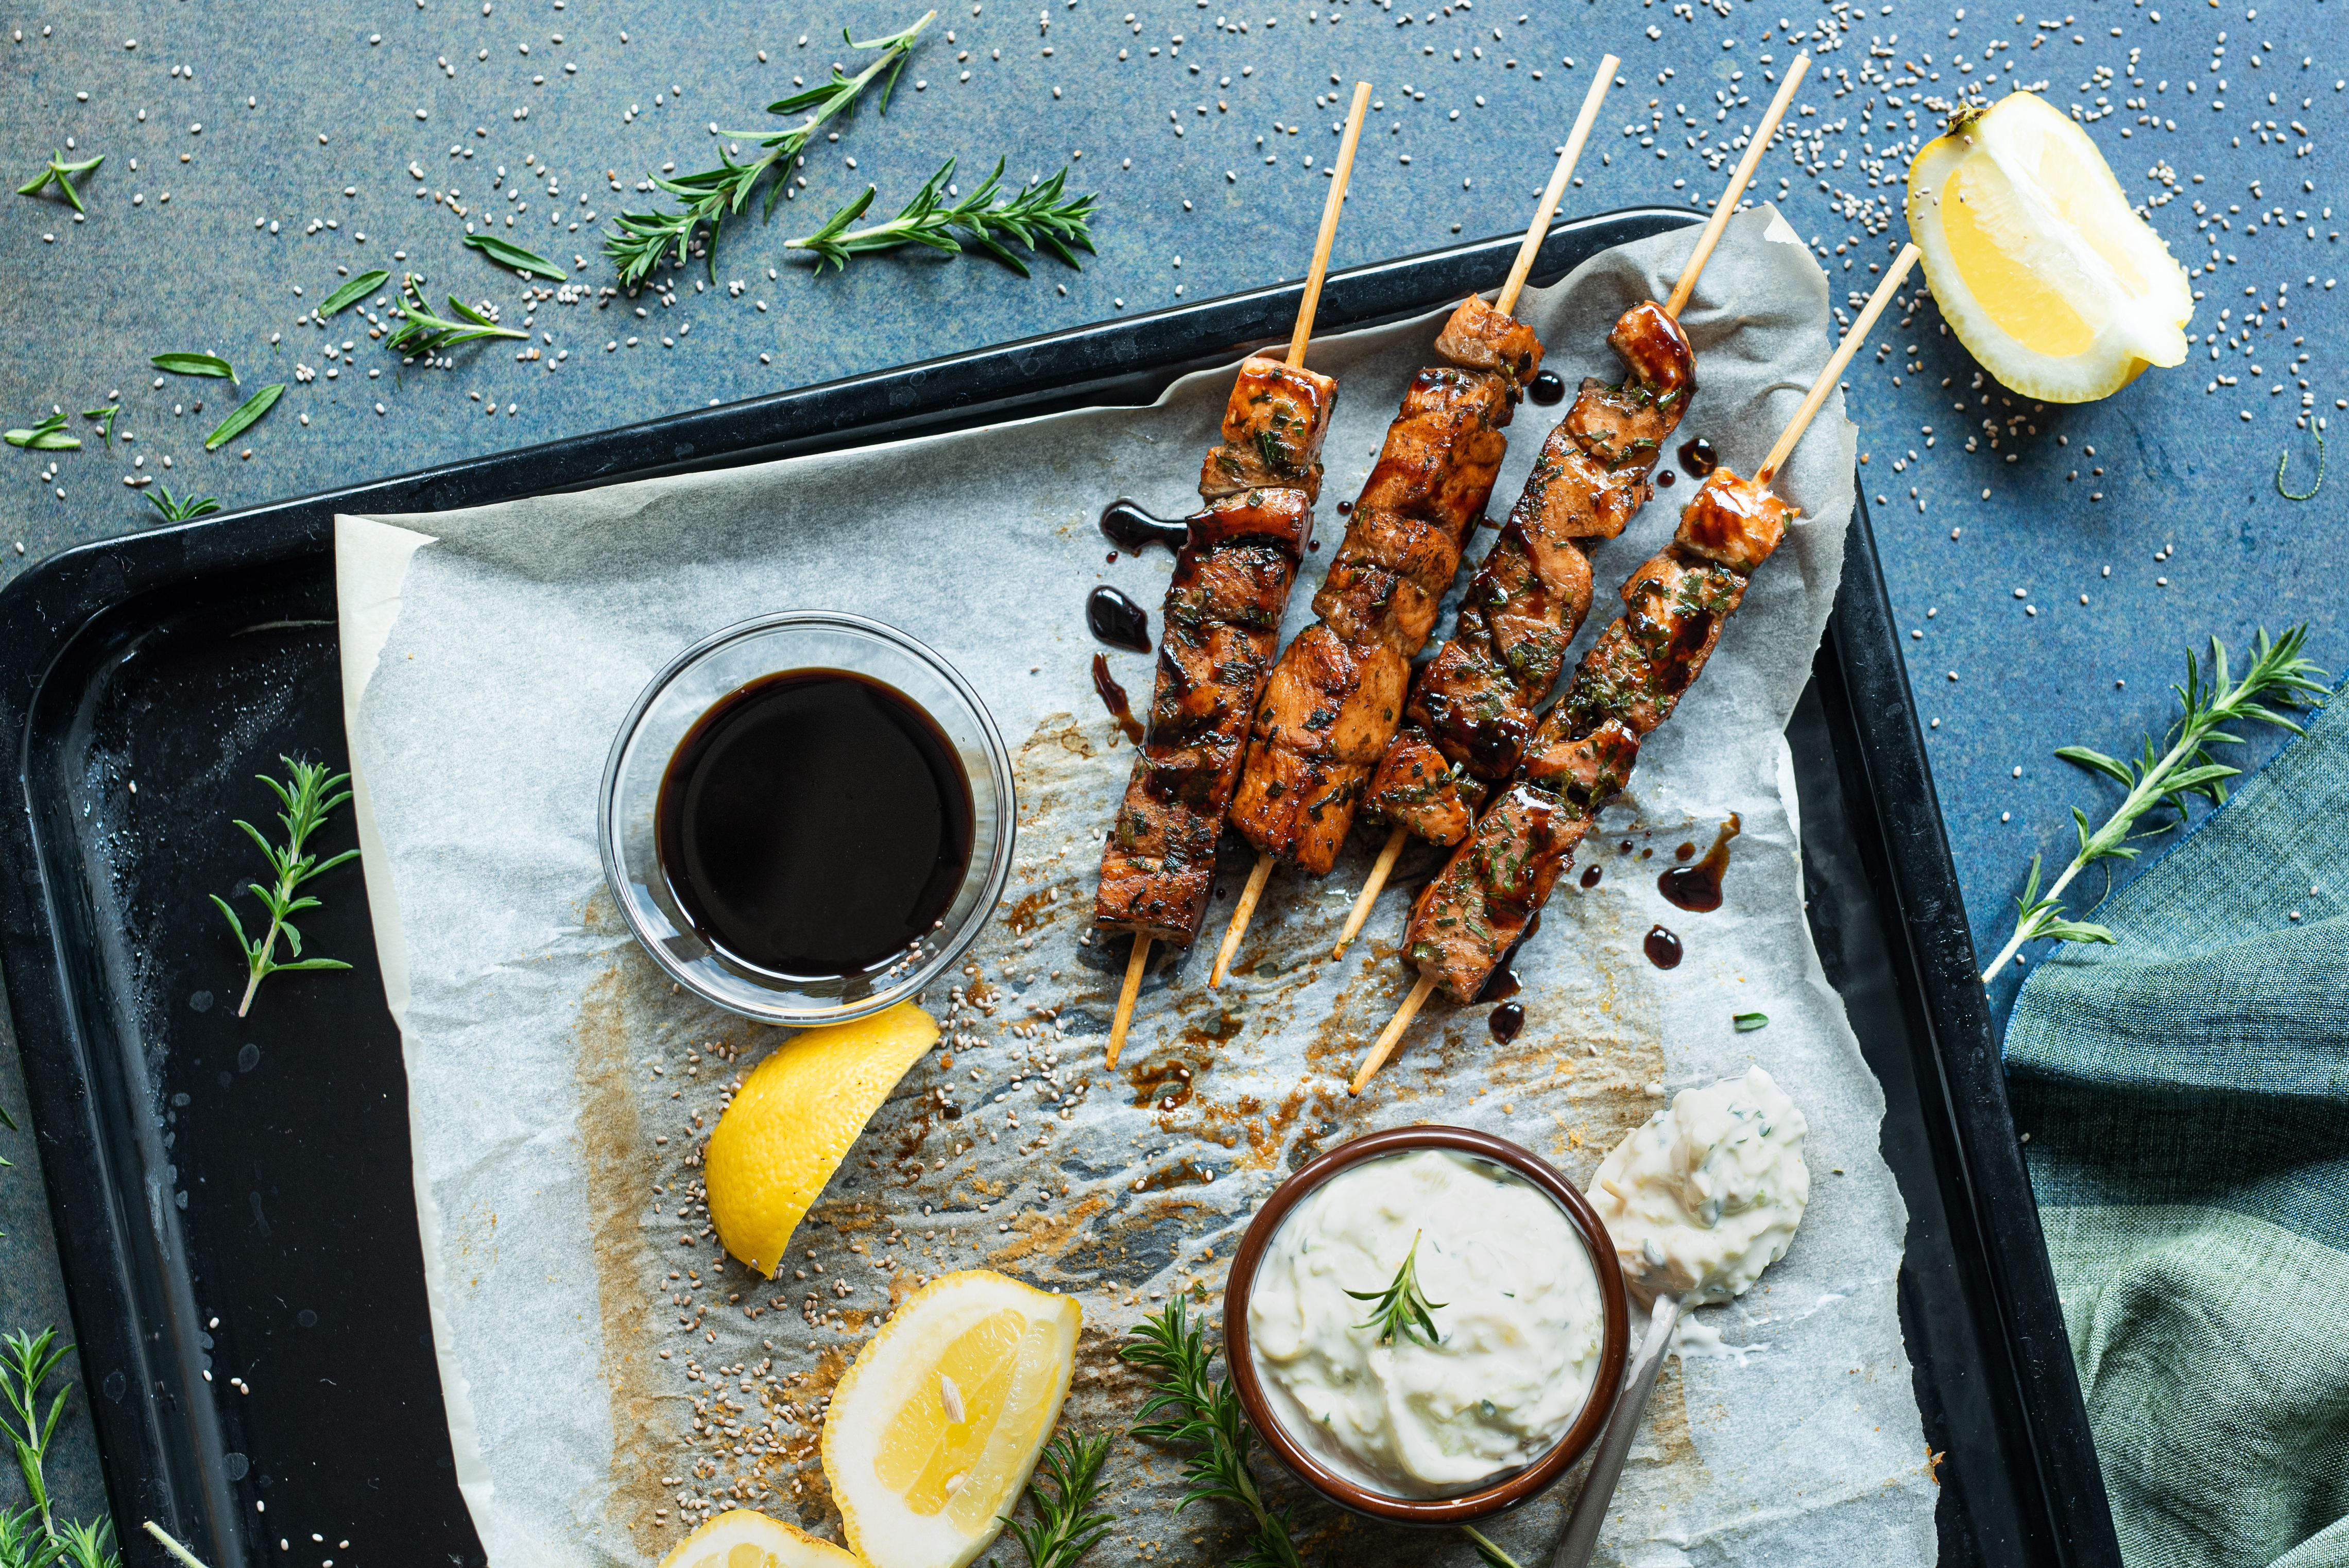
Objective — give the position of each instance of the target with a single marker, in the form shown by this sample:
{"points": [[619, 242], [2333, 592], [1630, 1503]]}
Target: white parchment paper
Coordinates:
{"points": [[612, 1378]]}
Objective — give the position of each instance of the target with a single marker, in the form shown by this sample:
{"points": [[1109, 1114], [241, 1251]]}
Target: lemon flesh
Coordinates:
{"points": [[740, 1538], [2040, 265], [794, 1122], [934, 1431]]}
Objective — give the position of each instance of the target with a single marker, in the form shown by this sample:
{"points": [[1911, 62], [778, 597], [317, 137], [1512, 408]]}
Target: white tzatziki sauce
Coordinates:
{"points": [[1510, 1287], [1701, 1198]]}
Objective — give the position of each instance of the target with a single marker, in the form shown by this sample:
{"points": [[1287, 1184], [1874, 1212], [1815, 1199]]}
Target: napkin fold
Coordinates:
{"points": [[2186, 1099]]}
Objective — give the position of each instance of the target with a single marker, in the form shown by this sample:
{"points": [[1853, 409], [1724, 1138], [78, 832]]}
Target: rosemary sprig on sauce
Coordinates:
{"points": [[713, 195], [180, 507], [2169, 777], [1198, 1410], [421, 332], [309, 796], [1066, 1525], [1039, 217], [57, 171], [1403, 1307]]}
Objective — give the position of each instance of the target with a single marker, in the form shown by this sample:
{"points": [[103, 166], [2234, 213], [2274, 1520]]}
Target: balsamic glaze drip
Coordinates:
{"points": [[814, 823], [1113, 697], [1345, 509], [1664, 478], [1698, 457], [1130, 528], [1117, 620], [1590, 876], [1507, 1020], [1697, 888], [1663, 948], [1502, 984], [1547, 388]]}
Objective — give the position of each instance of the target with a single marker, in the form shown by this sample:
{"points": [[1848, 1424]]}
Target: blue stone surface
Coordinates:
{"points": [[2055, 563]]}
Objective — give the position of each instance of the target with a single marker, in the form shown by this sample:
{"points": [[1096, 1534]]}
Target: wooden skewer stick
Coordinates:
{"points": [[1299, 339], [1385, 1046], [1681, 292], [1835, 362], [1303, 332], [1371, 887], [1133, 988], [1755, 145], [1246, 911], [1392, 1033], [1539, 231], [1536, 231]]}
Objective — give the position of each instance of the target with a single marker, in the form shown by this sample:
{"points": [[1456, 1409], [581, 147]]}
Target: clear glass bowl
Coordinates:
{"points": [[704, 674]]}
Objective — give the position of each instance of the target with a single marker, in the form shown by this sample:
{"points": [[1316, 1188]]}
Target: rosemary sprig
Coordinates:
{"points": [[105, 417], [180, 507], [247, 413], [421, 332], [23, 1543], [1403, 1306], [87, 1544], [59, 172], [2170, 777], [1038, 218], [1487, 1552], [26, 1363], [310, 798], [1199, 1409], [714, 194], [1066, 1526], [48, 435]]}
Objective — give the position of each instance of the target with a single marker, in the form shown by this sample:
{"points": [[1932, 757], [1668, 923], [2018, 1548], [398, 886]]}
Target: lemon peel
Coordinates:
{"points": [[744, 1538], [936, 1427], [2038, 260], [794, 1120]]}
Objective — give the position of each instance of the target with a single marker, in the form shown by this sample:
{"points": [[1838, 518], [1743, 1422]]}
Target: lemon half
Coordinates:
{"points": [[934, 1431], [740, 1538], [2040, 265], [794, 1120]]}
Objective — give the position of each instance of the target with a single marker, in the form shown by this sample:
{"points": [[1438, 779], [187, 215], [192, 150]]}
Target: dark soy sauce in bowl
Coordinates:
{"points": [[814, 823]]}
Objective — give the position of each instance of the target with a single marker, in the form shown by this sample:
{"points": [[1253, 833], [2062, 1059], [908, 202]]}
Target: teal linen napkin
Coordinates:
{"points": [[2186, 1099]]}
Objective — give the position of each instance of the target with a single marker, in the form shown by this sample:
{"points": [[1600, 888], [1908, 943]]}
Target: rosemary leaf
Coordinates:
{"points": [[194, 364], [1746, 1022], [1487, 1552], [351, 292], [1039, 217], [713, 195], [506, 253], [59, 172], [48, 435], [105, 417], [181, 509], [2170, 775], [251, 409]]}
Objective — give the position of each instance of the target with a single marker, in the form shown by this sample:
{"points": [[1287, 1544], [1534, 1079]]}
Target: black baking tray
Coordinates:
{"points": [[234, 1197]]}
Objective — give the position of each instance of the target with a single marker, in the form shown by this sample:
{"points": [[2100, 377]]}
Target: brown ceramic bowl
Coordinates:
{"points": [[1515, 1486]]}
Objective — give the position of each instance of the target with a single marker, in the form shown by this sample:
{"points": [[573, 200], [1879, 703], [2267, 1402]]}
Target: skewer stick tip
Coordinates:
{"points": [[1341, 171], [1241, 914], [1817, 396], [1757, 145], [1134, 966], [1385, 1046], [1555, 190], [1371, 887]]}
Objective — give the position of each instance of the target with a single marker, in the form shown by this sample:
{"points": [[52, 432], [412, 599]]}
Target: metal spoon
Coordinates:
{"points": [[1615, 1444]]}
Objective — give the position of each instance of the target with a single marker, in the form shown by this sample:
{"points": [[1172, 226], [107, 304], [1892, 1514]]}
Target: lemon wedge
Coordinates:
{"points": [[2039, 264], [740, 1538], [794, 1120], [933, 1432]]}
